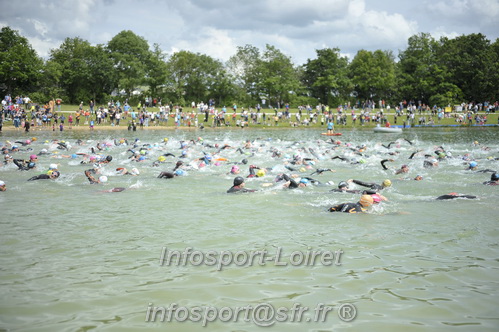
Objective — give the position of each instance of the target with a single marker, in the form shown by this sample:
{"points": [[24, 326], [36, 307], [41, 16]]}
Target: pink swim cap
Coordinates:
{"points": [[376, 198], [33, 156]]}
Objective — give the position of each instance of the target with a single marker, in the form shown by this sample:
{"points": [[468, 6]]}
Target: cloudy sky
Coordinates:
{"points": [[217, 27]]}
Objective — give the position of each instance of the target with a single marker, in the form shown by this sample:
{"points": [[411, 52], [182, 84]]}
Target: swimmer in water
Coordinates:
{"points": [[26, 165], [494, 180], [51, 175], [403, 168], [361, 206], [322, 170], [239, 186], [89, 173], [373, 186], [453, 196], [123, 171], [3, 186], [171, 175], [343, 188]]}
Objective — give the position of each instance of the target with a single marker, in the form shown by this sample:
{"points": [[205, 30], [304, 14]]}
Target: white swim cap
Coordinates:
{"points": [[2, 183], [53, 166], [103, 179]]}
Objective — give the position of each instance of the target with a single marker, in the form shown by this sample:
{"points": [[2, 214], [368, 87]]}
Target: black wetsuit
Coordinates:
{"points": [[349, 191], [238, 189], [491, 183], [24, 165], [347, 208], [167, 175], [40, 177], [373, 186], [292, 183], [449, 196]]}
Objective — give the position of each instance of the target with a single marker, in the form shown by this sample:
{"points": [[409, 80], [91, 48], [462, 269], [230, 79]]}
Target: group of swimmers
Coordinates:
{"points": [[302, 161]]}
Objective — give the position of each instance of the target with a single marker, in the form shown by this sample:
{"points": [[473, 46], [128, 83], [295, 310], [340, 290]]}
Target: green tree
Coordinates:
{"points": [[327, 76], [244, 68], [131, 55], [20, 66], [416, 68], [373, 74], [157, 70], [198, 77], [472, 63], [79, 72], [278, 78]]}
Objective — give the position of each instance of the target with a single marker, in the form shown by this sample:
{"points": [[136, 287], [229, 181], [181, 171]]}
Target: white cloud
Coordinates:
{"points": [[217, 27]]}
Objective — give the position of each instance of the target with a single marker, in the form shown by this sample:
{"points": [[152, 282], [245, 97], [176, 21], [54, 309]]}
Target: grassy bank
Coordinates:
{"points": [[269, 123]]}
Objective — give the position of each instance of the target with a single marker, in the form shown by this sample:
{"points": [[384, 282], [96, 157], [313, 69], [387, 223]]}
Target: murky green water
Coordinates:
{"points": [[74, 258]]}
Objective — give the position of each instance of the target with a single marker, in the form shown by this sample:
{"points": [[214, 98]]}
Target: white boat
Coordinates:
{"points": [[387, 130]]}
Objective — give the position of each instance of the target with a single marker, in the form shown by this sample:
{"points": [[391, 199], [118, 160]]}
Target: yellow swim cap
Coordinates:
{"points": [[33, 139], [366, 200], [260, 173], [387, 183], [303, 169], [165, 139], [161, 158]]}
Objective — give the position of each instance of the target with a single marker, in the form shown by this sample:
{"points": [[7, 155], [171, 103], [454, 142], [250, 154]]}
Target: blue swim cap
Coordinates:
{"points": [[74, 156], [303, 180], [473, 164], [142, 158], [179, 172]]}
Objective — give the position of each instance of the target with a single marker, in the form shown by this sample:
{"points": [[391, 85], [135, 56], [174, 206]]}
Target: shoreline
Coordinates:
{"points": [[170, 128]]}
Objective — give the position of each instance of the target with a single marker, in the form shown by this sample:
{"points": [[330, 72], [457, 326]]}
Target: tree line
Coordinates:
{"points": [[429, 71]]}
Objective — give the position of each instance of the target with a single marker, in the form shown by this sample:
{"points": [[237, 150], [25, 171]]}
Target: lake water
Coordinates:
{"points": [[75, 258]]}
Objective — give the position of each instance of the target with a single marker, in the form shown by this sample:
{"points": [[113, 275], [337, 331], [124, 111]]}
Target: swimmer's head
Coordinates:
{"points": [[179, 172], [33, 157], [418, 178], [74, 156], [109, 158], [165, 140], [234, 169], [260, 173], [473, 164], [244, 161], [387, 183], [55, 174], [304, 181], [366, 200], [33, 139], [3, 187], [53, 166], [376, 198], [103, 179], [238, 181], [135, 171], [161, 159], [44, 151], [494, 177], [342, 185], [303, 169]]}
